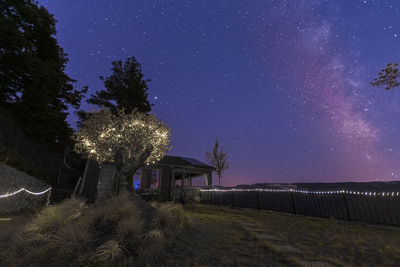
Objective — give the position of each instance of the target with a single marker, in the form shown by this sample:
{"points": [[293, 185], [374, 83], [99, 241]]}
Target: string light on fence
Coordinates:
{"points": [[385, 194], [25, 190]]}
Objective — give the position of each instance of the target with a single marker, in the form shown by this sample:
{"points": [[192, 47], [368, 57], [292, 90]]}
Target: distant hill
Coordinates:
{"points": [[392, 186], [267, 186]]}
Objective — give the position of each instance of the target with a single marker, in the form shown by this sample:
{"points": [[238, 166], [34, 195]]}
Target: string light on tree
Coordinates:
{"points": [[129, 140]]}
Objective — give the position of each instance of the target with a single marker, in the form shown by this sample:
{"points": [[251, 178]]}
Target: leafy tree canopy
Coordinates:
{"points": [[125, 89], [129, 140], [388, 77], [33, 83]]}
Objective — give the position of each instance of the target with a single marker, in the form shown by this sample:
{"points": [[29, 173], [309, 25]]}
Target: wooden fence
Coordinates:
{"points": [[381, 208], [187, 194]]}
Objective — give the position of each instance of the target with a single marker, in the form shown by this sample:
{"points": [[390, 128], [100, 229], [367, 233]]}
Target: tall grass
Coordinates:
{"points": [[73, 233], [51, 218], [170, 218]]}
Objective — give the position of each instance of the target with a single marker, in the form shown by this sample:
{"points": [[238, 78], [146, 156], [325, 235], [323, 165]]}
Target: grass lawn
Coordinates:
{"points": [[216, 239], [222, 236], [10, 225], [300, 239]]}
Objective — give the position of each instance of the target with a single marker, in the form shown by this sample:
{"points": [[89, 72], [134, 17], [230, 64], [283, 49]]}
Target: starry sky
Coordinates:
{"points": [[284, 85]]}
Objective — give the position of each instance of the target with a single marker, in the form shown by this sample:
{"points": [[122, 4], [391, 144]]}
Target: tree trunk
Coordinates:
{"points": [[117, 182], [126, 168], [120, 162], [128, 179]]}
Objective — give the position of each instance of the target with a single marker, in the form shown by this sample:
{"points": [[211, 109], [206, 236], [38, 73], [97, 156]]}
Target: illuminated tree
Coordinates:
{"points": [[218, 159], [129, 140], [388, 77]]}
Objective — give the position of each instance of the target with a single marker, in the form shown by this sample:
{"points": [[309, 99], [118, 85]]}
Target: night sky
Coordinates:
{"points": [[284, 85]]}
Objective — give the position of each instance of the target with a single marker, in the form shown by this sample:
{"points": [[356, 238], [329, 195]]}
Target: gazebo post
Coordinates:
{"points": [[173, 182], [182, 186], [205, 175]]}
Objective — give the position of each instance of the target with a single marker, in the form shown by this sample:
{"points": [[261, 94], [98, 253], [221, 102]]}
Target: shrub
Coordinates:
{"points": [[117, 208], [130, 233], [70, 240], [56, 234], [170, 217], [51, 218], [72, 234], [155, 235], [119, 215], [109, 252], [108, 234]]}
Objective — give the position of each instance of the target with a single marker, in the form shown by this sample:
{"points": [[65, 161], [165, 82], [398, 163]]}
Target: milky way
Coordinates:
{"points": [[284, 85], [331, 87]]}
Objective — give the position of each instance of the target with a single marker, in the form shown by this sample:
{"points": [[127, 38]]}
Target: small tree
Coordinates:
{"points": [[388, 76], [218, 159], [129, 140]]}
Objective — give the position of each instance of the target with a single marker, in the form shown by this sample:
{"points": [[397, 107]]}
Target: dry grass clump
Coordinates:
{"points": [[107, 234], [119, 217], [51, 218], [155, 235], [130, 233], [72, 233], [56, 233], [109, 252], [69, 240], [170, 218], [117, 208]]}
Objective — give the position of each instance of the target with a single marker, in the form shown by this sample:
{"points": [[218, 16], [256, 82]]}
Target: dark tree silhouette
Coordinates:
{"points": [[125, 89], [33, 83], [388, 77], [218, 159]]}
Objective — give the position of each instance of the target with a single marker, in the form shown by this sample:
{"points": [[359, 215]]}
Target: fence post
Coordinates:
{"points": [[214, 198], [233, 198], [293, 203], [258, 200], [346, 206]]}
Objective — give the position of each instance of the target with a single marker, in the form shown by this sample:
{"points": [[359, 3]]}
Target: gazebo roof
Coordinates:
{"points": [[183, 162]]}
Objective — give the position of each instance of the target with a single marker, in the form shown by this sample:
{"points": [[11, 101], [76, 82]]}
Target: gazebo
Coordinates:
{"points": [[166, 179], [174, 173]]}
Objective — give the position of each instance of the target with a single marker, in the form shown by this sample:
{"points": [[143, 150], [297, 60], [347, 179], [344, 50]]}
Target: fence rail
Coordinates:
{"points": [[382, 208]]}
